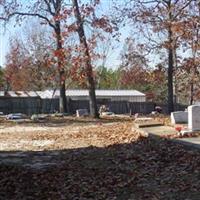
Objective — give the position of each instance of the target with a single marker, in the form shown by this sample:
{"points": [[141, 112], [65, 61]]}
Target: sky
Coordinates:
{"points": [[113, 59], [3, 48]]}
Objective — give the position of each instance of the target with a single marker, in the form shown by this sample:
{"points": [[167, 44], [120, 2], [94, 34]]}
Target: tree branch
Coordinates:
{"points": [[49, 7], [187, 4], [30, 14], [54, 3]]}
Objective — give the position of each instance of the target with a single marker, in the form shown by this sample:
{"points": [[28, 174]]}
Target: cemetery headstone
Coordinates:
{"points": [[59, 115], [194, 118], [82, 112], [179, 117], [107, 113], [15, 116], [38, 117], [103, 109]]}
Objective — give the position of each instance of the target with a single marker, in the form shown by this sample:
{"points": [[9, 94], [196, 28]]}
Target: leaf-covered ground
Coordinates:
{"points": [[97, 161]]}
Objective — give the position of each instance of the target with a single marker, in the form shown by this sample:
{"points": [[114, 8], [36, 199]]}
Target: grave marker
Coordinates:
{"points": [[194, 117], [82, 112], [179, 117]]}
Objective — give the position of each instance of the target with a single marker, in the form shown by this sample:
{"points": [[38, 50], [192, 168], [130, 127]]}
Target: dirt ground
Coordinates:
{"points": [[69, 158], [61, 133]]}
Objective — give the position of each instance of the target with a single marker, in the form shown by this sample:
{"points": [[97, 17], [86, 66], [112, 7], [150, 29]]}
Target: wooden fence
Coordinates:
{"points": [[20, 105], [124, 107], [35, 105], [29, 106]]}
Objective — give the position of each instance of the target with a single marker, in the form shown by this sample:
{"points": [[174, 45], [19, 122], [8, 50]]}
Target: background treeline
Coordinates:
{"points": [[160, 54]]}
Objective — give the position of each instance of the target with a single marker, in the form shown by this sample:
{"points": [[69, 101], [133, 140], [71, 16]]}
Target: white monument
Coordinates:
{"points": [[194, 118], [179, 117], [82, 112]]}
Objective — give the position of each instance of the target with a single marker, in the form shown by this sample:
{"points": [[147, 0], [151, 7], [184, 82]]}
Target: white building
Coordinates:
{"points": [[107, 95], [112, 95]]}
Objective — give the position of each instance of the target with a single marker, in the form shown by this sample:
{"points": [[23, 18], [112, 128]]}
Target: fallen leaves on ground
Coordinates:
{"points": [[117, 163], [163, 119]]}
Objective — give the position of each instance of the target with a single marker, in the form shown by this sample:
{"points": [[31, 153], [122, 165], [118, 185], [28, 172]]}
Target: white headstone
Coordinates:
{"points": [[82, 112], [179, 117], [194, 117], [14, 116]]}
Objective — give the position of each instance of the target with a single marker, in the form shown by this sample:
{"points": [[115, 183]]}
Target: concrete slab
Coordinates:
{"points": [[160, 130], [193, 142], [148, 124], [142, 122]]}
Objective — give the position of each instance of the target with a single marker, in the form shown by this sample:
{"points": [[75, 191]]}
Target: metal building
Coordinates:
{"points": [[107, 95], [111, 95]]}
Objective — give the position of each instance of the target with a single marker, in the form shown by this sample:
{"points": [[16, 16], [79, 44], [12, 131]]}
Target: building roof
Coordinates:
{"points": [[21, 94], [32, 94], [17, 94], [85, 93], [105, 93], [48, 94]]}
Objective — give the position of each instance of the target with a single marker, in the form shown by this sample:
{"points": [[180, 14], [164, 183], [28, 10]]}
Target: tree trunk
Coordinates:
{"points": [[91, 83], [191, 92], [170, 65], [175, 82], [62, 98], [170, 81]]}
